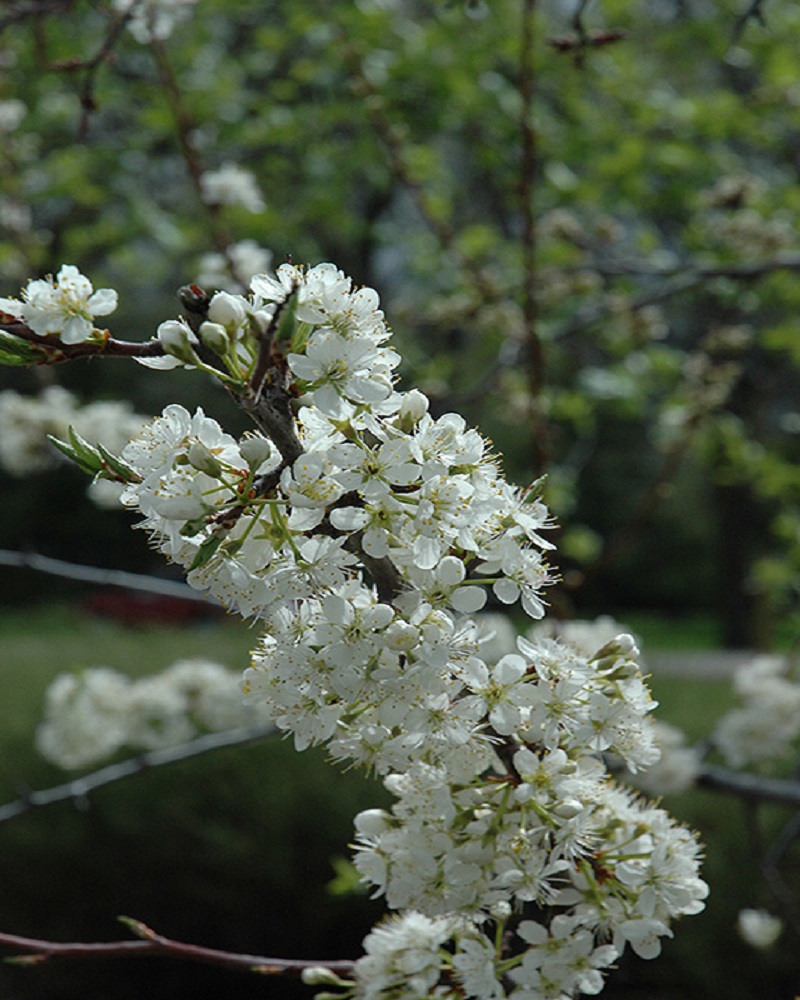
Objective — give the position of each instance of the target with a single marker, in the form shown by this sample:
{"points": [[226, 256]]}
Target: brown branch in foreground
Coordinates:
{"points": [[55, 352], [32, 951]]}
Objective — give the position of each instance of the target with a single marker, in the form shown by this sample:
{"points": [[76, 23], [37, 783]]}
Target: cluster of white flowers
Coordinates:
{"points": [[232, 185], [366, 552], [153, 20], [767, 726], [231, 271], [26, 422], [92, 714], [64, 306]]}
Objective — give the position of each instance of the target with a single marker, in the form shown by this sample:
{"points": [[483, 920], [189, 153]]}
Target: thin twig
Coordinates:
{"points": [[35, 9], [754, 12], [36, 952], [752, 787], [770, 862], [185, 128], [529, 157], [101, 577], [55, 353], [78, 789]]}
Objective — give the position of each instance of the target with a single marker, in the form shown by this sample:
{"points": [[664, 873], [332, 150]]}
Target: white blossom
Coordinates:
{"points": [[64, 306], [231, 184]]}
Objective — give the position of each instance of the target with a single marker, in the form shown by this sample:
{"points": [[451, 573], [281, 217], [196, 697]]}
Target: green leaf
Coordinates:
{"points": [[90, 466], [16, 351], [115, 464], [206, 552]]}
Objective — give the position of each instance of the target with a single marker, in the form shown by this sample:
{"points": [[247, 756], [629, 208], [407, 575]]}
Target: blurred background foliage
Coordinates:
{"points": [[582, 219], [589, 247]]}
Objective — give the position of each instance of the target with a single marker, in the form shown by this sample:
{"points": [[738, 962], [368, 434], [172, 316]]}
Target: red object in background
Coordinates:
{"points": [[133, 608]]}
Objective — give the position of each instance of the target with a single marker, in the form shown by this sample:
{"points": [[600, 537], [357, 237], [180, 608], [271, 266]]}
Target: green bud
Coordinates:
{"points": [[214, 336], [202, 459]]}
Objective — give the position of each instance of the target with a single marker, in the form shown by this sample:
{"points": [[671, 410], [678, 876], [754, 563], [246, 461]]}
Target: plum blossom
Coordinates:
{"points": [[231, 184], [64, 306]]}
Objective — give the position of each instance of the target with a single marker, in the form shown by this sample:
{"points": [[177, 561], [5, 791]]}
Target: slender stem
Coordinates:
{"points": [[185, 127], [37, 951], [77, 789], [753, 787], [101, 577], [529, 156], [55, 353]]}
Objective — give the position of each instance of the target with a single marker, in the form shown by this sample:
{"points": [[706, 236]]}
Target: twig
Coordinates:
{"points": [[36, 952], [77, 789], [185, 128], [35, 9], [770, 862], [101, 577], [752, 787], [754, 12], [527, 179], [56, 353]]}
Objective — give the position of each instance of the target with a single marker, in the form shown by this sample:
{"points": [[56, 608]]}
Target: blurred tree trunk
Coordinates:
{"points": [[742, 528]]}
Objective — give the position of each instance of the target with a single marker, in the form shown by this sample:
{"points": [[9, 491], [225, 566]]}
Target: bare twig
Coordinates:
{"points": [[36, 8], [36, 952], [101, 577], [770, 862], [751, 787], [529, 155], [753, 12], [53, 352], [78, 789], [185, 129]]}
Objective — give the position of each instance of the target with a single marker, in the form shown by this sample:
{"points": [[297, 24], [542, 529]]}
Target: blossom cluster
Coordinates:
{"points": [[91, 714], [366, 555], [766, 727], [365, 535]]}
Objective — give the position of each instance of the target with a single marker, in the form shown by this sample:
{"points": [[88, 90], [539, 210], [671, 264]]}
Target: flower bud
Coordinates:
{"points": [[214, 336], [201, 459], [317, 975], [177, 340], [372, 822], [228, 310], [401, 636], [255, 451], [568, 809], [413, 407], [500, 910]]}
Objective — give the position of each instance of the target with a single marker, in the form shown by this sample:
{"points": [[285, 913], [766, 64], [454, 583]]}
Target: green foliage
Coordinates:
{"points": [[389, 138]]}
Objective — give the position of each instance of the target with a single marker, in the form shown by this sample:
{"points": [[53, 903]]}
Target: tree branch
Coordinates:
{"points": [[36, 952], [56, 353], [528, 167], [753, 787], [101, 577], [78, 789]]}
